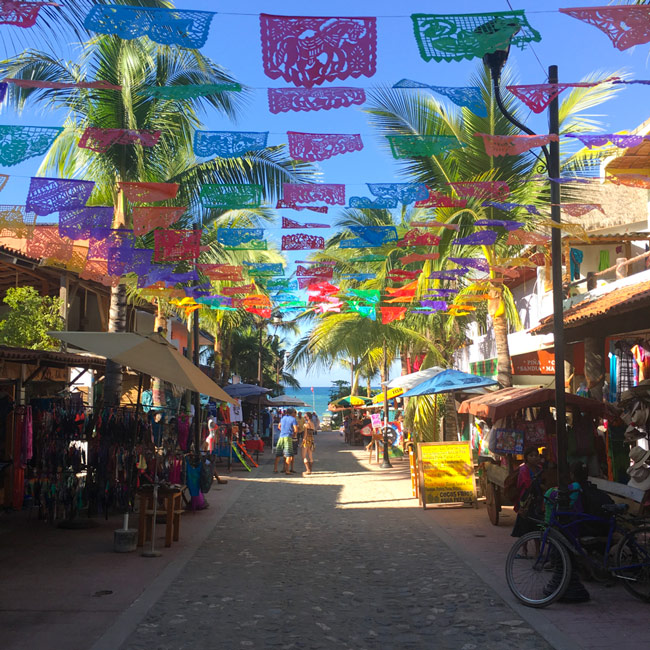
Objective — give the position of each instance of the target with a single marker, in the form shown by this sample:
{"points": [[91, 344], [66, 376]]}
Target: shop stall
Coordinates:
{"points": [[509, 420]]}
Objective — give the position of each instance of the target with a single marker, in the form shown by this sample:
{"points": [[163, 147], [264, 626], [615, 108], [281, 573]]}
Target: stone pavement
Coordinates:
{"points": [[334, 560]]}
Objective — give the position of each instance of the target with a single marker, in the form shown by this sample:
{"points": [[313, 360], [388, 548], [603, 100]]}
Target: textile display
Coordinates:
{"points": [[421, 146], [481, 238], [481, 189], [23, 142], [302, 241], [101, 140], [513, 145], [508, 207], [166, 26], [466, 36], [228, 144], [282, 100], [146, 219], [148, 192], [85, 223], [61, 85], [265, 269], [364, 203], [19, 14], [390, 314], [405, 193], [330, 193], [321, 146], [191, 90], [231, 195], [16, 221], [625, 26], [47, 195], [176, 245], [439, 200], [467, 96], [415, 237], [508, 224], [242, 238], [418, 257], [290, 224], [308, 51]]}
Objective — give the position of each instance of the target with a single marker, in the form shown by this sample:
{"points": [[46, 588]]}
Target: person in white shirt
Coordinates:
{"points": [[316, 422]]}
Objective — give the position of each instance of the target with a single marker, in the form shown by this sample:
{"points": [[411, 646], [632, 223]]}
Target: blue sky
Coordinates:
{"points": [[577, 48]]}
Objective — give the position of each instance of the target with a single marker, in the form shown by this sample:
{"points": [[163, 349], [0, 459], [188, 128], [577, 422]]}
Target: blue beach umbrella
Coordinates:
{"points": [[448, 381]]}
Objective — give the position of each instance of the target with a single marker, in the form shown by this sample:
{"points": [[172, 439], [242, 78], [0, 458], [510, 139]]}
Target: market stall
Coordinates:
{"points": [[511, 419]]}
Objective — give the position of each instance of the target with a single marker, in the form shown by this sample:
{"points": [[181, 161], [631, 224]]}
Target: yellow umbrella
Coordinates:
{"points": [[392, 392], [152, 355]]}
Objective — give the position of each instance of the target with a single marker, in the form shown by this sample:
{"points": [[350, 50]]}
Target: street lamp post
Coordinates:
{"points": [[495, 62], [386, 461]]}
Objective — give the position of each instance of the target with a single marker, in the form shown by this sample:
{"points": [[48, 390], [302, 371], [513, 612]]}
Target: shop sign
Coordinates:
{"points": [[539, 362], [375, 420], [446, 473]]}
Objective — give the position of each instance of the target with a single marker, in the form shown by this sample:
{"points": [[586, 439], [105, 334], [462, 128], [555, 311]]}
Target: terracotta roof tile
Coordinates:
{"points": [[617, 301]]}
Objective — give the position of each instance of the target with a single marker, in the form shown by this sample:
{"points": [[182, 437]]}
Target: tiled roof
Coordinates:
{"points": [[51, 358], [615, 302]]}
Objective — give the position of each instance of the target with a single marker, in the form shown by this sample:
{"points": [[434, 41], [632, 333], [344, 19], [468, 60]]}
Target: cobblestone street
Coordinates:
{"points": [[333, 560]]}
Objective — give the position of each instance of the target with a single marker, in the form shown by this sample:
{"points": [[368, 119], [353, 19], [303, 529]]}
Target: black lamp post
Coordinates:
{"points": [[385, 464], [495, 61]]}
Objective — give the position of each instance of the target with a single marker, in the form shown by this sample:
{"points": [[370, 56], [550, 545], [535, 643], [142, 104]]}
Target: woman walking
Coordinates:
{"points": [[308, 445]]}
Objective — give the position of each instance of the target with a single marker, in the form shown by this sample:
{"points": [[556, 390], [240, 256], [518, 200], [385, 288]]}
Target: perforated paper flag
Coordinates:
{"points": [[471, 263], [239, 237], [101, 140], [507, 207], [418, 257], [146, 219], [231, 195], [500, 223], [176, 245], [621, 141], [18, 143], [291, 224], [364, 203], [47, 195], [148, 192], [454, 37], [467, 96], [415, 237], [421, 146], [16, 221], [228, 144], [321, 146], [626, 26], [404, 192], [221, 272], [481, 238], [537, 96], [302, 241], [482, 189], [46, 243], [513, 145], [61, 85], [85, 223], [308, 51], [166, 26], [439, 200], [265, 269], [321, 209], [191, 90], [20, 14], [330, 193], [282, 100]]}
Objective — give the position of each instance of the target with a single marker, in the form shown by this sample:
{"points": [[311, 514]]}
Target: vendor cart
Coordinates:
{"points": [[507, 402]]}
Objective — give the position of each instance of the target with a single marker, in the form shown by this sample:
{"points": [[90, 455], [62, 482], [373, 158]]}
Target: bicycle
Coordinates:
{"points": [[543, 578]]}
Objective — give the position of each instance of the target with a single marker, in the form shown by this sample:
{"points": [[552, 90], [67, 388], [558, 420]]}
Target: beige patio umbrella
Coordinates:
{"points": [[151, 355]]}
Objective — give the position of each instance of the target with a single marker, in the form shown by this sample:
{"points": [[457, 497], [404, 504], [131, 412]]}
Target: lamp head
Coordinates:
{"points": [[499, 32]]}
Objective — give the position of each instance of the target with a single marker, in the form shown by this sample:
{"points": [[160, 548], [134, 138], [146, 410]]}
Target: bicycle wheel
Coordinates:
{"points": [[538, 569], [633, 562]]}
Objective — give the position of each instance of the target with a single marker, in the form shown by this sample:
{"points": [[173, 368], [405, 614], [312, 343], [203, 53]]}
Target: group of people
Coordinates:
{"points": [[296, 432]]}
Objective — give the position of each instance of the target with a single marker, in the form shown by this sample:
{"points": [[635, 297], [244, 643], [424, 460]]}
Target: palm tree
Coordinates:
{"points": [[138, 65], [394, 113]]}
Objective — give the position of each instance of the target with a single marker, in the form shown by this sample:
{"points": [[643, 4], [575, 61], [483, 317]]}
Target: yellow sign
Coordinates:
{"points": [[446, 473], [392, 392]]}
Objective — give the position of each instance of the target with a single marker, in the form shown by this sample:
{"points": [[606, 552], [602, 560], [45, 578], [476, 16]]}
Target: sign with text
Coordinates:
{"points": [[540, 362], [446, 473], [375, 420]]}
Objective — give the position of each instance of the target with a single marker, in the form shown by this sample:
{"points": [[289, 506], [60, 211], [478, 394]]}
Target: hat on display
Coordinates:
{"points": [[640, 414], [638, 456], [640, 478], [632, 434]]}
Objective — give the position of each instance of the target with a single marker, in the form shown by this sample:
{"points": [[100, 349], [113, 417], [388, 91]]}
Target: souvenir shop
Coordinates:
{"points": [[507, 421]]}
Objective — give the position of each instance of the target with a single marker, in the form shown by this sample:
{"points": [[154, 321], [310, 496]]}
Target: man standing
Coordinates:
{"points": [[288, 428], [316, 422]]}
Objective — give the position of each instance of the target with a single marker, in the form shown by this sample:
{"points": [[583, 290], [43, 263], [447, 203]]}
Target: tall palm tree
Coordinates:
{"points": [[392, 112], [138, 65]]}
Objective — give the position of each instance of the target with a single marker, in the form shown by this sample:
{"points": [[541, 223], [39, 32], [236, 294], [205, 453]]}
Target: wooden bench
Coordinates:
{"points": [[172, 509], [637, 499]]}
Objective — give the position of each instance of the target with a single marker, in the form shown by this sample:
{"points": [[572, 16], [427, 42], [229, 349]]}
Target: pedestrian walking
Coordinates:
{"points": [[284, 449], [530, 501], [308, 445]]}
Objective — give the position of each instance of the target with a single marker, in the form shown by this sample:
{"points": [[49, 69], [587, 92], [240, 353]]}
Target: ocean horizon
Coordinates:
{"points": [[317, 401]]}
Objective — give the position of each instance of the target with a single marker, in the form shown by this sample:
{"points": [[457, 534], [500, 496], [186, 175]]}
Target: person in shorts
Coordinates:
{"points": [[288, 429]]}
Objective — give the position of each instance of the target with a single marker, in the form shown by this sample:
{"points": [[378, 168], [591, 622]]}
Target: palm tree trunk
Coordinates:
{"points": [[504, 366], [116, 323], [225, 368], [355, 382], [218, 353], [158, 385]]}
